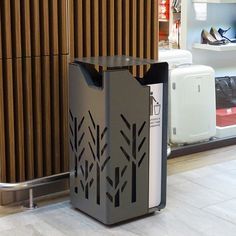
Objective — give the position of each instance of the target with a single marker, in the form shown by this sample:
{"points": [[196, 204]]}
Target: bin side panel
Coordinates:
{"points": [[127, 106], [86, 121]]}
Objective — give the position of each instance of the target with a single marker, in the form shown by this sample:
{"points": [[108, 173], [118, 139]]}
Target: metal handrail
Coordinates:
{"points": [[33, 183]]}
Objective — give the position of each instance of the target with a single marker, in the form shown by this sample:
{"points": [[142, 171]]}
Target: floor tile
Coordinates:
{"points": [[195, 194], [225, 210]]}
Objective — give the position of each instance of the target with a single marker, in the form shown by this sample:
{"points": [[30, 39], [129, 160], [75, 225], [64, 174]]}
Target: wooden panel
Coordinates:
{"points": [[9, 120], [154, 30], [95, 17], [54, 40], [133, 32], [28, 117], [26, 24], [103, 31], [64, 110], [56, 118], [126, 27], [16, 29], [72, 38], [19, 120], [141, 34], [45, 46], [35, 27], [63, 26], [118, 27], [3, 170], [0, 36], [79, 28], [6, 28], [37, 112], [147, 26], [87, 25], [46, 103], [111, 27]]}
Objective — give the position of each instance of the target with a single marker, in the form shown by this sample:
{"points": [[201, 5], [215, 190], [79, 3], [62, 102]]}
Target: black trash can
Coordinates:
{"points": [[115, 123]]}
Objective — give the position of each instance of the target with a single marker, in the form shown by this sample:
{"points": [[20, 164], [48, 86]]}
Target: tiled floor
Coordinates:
{"points": [[201, 202]]}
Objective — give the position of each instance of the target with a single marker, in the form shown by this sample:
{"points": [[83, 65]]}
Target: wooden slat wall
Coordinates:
{"points": [[37, 40], [33, 74], [34, 28], [113, 27], [33, 101]]}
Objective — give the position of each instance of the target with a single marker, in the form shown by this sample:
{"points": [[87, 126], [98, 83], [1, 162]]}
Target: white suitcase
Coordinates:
{"points": [[175, 57], [192, 108]]}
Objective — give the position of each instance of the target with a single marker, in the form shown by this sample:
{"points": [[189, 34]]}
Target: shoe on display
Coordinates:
{"points": [[218, 36], [222, 32], [207, 38]]}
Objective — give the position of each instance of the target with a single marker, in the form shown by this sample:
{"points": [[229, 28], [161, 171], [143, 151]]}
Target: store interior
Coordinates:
{"points": [[181, 24], [118, 117]]}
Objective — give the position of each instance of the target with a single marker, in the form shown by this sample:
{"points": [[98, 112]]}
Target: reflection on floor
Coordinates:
{"points": [[201, 201]]}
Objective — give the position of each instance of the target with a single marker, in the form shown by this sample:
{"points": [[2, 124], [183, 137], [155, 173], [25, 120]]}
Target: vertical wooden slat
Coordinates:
{"points": [[64, 110], [133, 34], [0, 34], [16, 29], [2, 125], [25, 28], [55, 101], [103, 23], [79, 28], [46, 114], [9, 120], [141, 33], [45, 44], [19, 120], [35, 27], [37, 111], [147, 32], [126, 27], [28, 118], [54, 39], [96, 27], [63, 26], [87, 25], [154, 43], [6, 28], [72, 39], [3, 170], [118, 38], [111, 27]]}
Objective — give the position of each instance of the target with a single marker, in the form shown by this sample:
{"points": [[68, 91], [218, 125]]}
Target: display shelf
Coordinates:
{"points": [[224, 132], [221, 48], [163, 20], [179, 151], [214, 1]]}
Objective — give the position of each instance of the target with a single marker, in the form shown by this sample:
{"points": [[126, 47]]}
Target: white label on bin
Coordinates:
{"points": [[155, 161]]}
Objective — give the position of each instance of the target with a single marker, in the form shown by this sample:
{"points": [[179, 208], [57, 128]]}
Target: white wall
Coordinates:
{"points": [[218, 15]]}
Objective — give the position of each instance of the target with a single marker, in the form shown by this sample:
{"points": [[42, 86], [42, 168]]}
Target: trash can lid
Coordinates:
{"points": [[115, 61]]}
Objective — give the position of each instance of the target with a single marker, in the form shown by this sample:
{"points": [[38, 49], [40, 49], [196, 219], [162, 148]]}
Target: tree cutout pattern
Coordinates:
{"points": [[118, 186], [76, 139], [87, 181], [98, 151], [133, 151]]}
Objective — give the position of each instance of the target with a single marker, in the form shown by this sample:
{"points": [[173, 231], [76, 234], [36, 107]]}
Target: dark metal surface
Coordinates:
{"points": [[109, 126], [115, 61]]}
